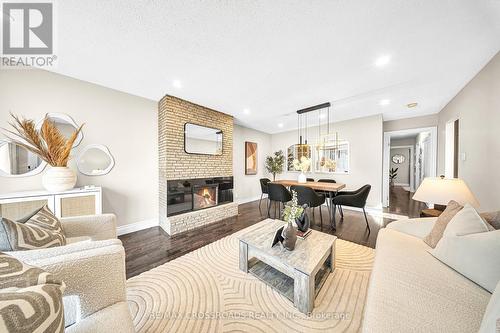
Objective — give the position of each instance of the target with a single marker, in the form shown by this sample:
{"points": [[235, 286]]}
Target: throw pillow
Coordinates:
{"points": [[442, 221], [493, 218], [469, 248], [491, 318], [30, 298], [42, 230]]}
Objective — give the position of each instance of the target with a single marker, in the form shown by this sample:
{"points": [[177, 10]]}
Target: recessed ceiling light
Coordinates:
{"points": [[246, 111], [383, 60], [412, 105], [177, 84], [384, 102], [280, 125]]}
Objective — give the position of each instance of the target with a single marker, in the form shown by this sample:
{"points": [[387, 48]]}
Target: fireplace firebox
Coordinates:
{"points": [[185, 195], [205, 196]]}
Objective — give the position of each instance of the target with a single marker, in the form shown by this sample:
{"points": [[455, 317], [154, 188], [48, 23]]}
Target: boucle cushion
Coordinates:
{"points": [[491, 318], [42, 230], [493, 218], [471, 249], [30, 298], [439, 227]]}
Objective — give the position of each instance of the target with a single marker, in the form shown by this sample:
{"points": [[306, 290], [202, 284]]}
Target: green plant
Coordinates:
{"points": [[393, 174], [274, 164], [292, 209]]}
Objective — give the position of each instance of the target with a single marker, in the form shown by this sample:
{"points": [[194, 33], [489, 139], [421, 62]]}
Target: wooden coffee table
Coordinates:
{"points": [[297, 274]]}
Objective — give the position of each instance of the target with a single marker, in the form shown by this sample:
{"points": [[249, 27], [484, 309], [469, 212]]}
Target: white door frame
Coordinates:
{"points": [[411, 164], [387, 156]]}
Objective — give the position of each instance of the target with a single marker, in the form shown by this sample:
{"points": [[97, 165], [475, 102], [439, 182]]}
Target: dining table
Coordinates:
{"points": [[331, 188]]}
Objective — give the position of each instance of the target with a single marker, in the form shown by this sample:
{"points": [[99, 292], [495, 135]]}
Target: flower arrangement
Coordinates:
{"points": [[292, 209], [48, 142], [302, 165]]}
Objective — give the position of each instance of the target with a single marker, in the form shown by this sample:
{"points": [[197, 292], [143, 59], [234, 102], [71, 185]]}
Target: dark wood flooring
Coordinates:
{"points": [[401, 202], [152, 247]]}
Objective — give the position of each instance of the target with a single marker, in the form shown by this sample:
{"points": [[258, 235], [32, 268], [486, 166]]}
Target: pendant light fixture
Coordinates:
{"points": [[328, 139]]}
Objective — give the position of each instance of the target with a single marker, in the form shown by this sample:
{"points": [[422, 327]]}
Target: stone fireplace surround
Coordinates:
{"points": [[175, 163]]}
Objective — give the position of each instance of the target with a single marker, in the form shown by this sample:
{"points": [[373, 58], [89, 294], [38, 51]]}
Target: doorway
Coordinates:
{"points": [[409, 157]]}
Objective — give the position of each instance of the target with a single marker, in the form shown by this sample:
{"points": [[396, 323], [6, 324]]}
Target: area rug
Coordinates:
{"points": [[204, 291]]}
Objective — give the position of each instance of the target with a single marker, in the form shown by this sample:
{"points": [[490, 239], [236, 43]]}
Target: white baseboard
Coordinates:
{"points": [[245, 200], [132, 227]]}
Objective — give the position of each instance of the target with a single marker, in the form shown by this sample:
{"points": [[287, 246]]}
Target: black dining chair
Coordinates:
{"points": [[278, 194], [352, 199], [310, 179], [307, 196], [326, 193], [263, 188]]}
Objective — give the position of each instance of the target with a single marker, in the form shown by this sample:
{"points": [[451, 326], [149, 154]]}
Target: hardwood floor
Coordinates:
{"points": [[152, 247], [401, 202]]}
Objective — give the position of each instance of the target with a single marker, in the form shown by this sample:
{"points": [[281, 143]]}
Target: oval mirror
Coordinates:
{"points": [[398, 159], [65, 124], [95, 160], [17, 161]]}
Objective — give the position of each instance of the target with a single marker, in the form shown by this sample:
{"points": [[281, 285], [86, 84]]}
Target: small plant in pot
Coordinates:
{"points": [[294, 215], [393, 174], [51, 146], [274, 164]]}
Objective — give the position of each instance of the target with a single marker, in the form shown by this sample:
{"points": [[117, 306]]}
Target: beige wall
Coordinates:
{"points": [[365, 136], [410, 123], [125, 123], [247, 187], [477, 106], [403, 175]]}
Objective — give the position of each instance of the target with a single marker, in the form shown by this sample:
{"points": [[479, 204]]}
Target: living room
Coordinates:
{"points": [[252, 167]]}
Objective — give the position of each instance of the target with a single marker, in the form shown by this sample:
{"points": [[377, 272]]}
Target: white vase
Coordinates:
{"points": [[302, 178], [58, 179]]}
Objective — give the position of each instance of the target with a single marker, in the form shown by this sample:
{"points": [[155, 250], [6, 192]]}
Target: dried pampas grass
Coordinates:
{"points": [[48, 143]]}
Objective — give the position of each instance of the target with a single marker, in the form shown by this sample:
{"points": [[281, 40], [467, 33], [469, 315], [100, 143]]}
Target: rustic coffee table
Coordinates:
{"points": [[297, 274]]}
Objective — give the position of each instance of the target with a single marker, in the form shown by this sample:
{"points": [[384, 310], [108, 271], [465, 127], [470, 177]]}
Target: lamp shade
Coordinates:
{"points": [[441, 190]]}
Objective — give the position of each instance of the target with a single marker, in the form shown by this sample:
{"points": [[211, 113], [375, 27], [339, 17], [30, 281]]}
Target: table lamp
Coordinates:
{"points": [[440, 190]]}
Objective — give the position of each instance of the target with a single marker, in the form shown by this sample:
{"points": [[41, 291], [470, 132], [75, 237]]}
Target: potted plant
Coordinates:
{"points": [[291, 212], [302, 165], [393, 174], [51, 146], [274, 164]]}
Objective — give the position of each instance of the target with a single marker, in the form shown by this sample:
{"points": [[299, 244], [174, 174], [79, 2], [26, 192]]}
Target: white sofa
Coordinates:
{"points": [[411, 291], [93, 268]]}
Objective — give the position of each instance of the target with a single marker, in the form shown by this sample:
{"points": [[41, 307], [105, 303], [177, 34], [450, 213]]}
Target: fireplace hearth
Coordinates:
{"points": [[185, 195]]}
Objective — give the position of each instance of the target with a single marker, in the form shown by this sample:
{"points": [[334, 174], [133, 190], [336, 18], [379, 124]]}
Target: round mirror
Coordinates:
{"points": [[17, 161], [65, 124], [95, 160], [398, 159]]}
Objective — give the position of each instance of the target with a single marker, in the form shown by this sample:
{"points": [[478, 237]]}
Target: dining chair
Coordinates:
{"points": [[352, 199], [278, 194], [263, 188], [308, 196], [326, 193]]}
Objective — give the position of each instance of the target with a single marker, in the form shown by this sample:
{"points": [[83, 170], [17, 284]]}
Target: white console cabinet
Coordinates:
{"points": [[75, 202]]}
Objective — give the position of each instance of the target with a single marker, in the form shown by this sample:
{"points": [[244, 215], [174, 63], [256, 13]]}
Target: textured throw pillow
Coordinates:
{"points": [[493, 218], [42, 230], [491, 318], [30, 298], [471, 249], [442, 221]]}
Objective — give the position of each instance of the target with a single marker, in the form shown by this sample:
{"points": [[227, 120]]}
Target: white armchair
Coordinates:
{"points": [[94, 273]]}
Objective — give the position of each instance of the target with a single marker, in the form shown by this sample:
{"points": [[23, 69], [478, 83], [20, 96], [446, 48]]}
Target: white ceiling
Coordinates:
{"points": [[274, 57]]}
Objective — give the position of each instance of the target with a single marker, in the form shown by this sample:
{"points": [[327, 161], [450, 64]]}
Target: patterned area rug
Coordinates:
{"points": [[204, 291]]}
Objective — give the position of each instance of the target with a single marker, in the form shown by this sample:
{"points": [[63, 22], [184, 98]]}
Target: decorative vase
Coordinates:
{"points": [[302, 221], [302, 178], [59, 179], [289, 235]]}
